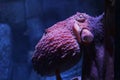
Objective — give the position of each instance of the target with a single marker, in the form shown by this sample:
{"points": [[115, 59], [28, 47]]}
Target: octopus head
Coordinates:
{"points": [[59, 48]]}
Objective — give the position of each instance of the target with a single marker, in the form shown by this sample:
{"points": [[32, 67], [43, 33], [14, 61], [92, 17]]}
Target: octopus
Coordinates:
{"points": [[59, 48]]}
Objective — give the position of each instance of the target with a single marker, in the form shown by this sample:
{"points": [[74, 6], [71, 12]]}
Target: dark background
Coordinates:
{"points": [[22, 23], [117, 40]]}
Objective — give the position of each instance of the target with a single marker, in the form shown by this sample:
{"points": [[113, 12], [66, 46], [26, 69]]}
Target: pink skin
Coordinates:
{"points": [[86, 36], [59, 45]]}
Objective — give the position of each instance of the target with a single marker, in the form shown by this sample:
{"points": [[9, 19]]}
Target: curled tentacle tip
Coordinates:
{"points": [[87, 36], [83, 35]]}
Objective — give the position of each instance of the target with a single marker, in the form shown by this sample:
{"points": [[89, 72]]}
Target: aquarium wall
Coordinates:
{"points": [[22, 24]]}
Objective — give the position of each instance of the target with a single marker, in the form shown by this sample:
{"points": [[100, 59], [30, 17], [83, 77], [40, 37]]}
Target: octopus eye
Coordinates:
{"points": [[80, 18]]}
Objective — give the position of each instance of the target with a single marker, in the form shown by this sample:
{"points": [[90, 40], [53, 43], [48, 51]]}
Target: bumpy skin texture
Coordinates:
{"points": [[58, 48]]}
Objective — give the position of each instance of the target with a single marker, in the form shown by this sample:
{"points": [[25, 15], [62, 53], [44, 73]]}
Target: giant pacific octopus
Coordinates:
{"points": [[59, 48]]}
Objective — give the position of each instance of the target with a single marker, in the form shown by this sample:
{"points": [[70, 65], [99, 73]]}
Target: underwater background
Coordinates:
{"points": [[22, 24]]}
